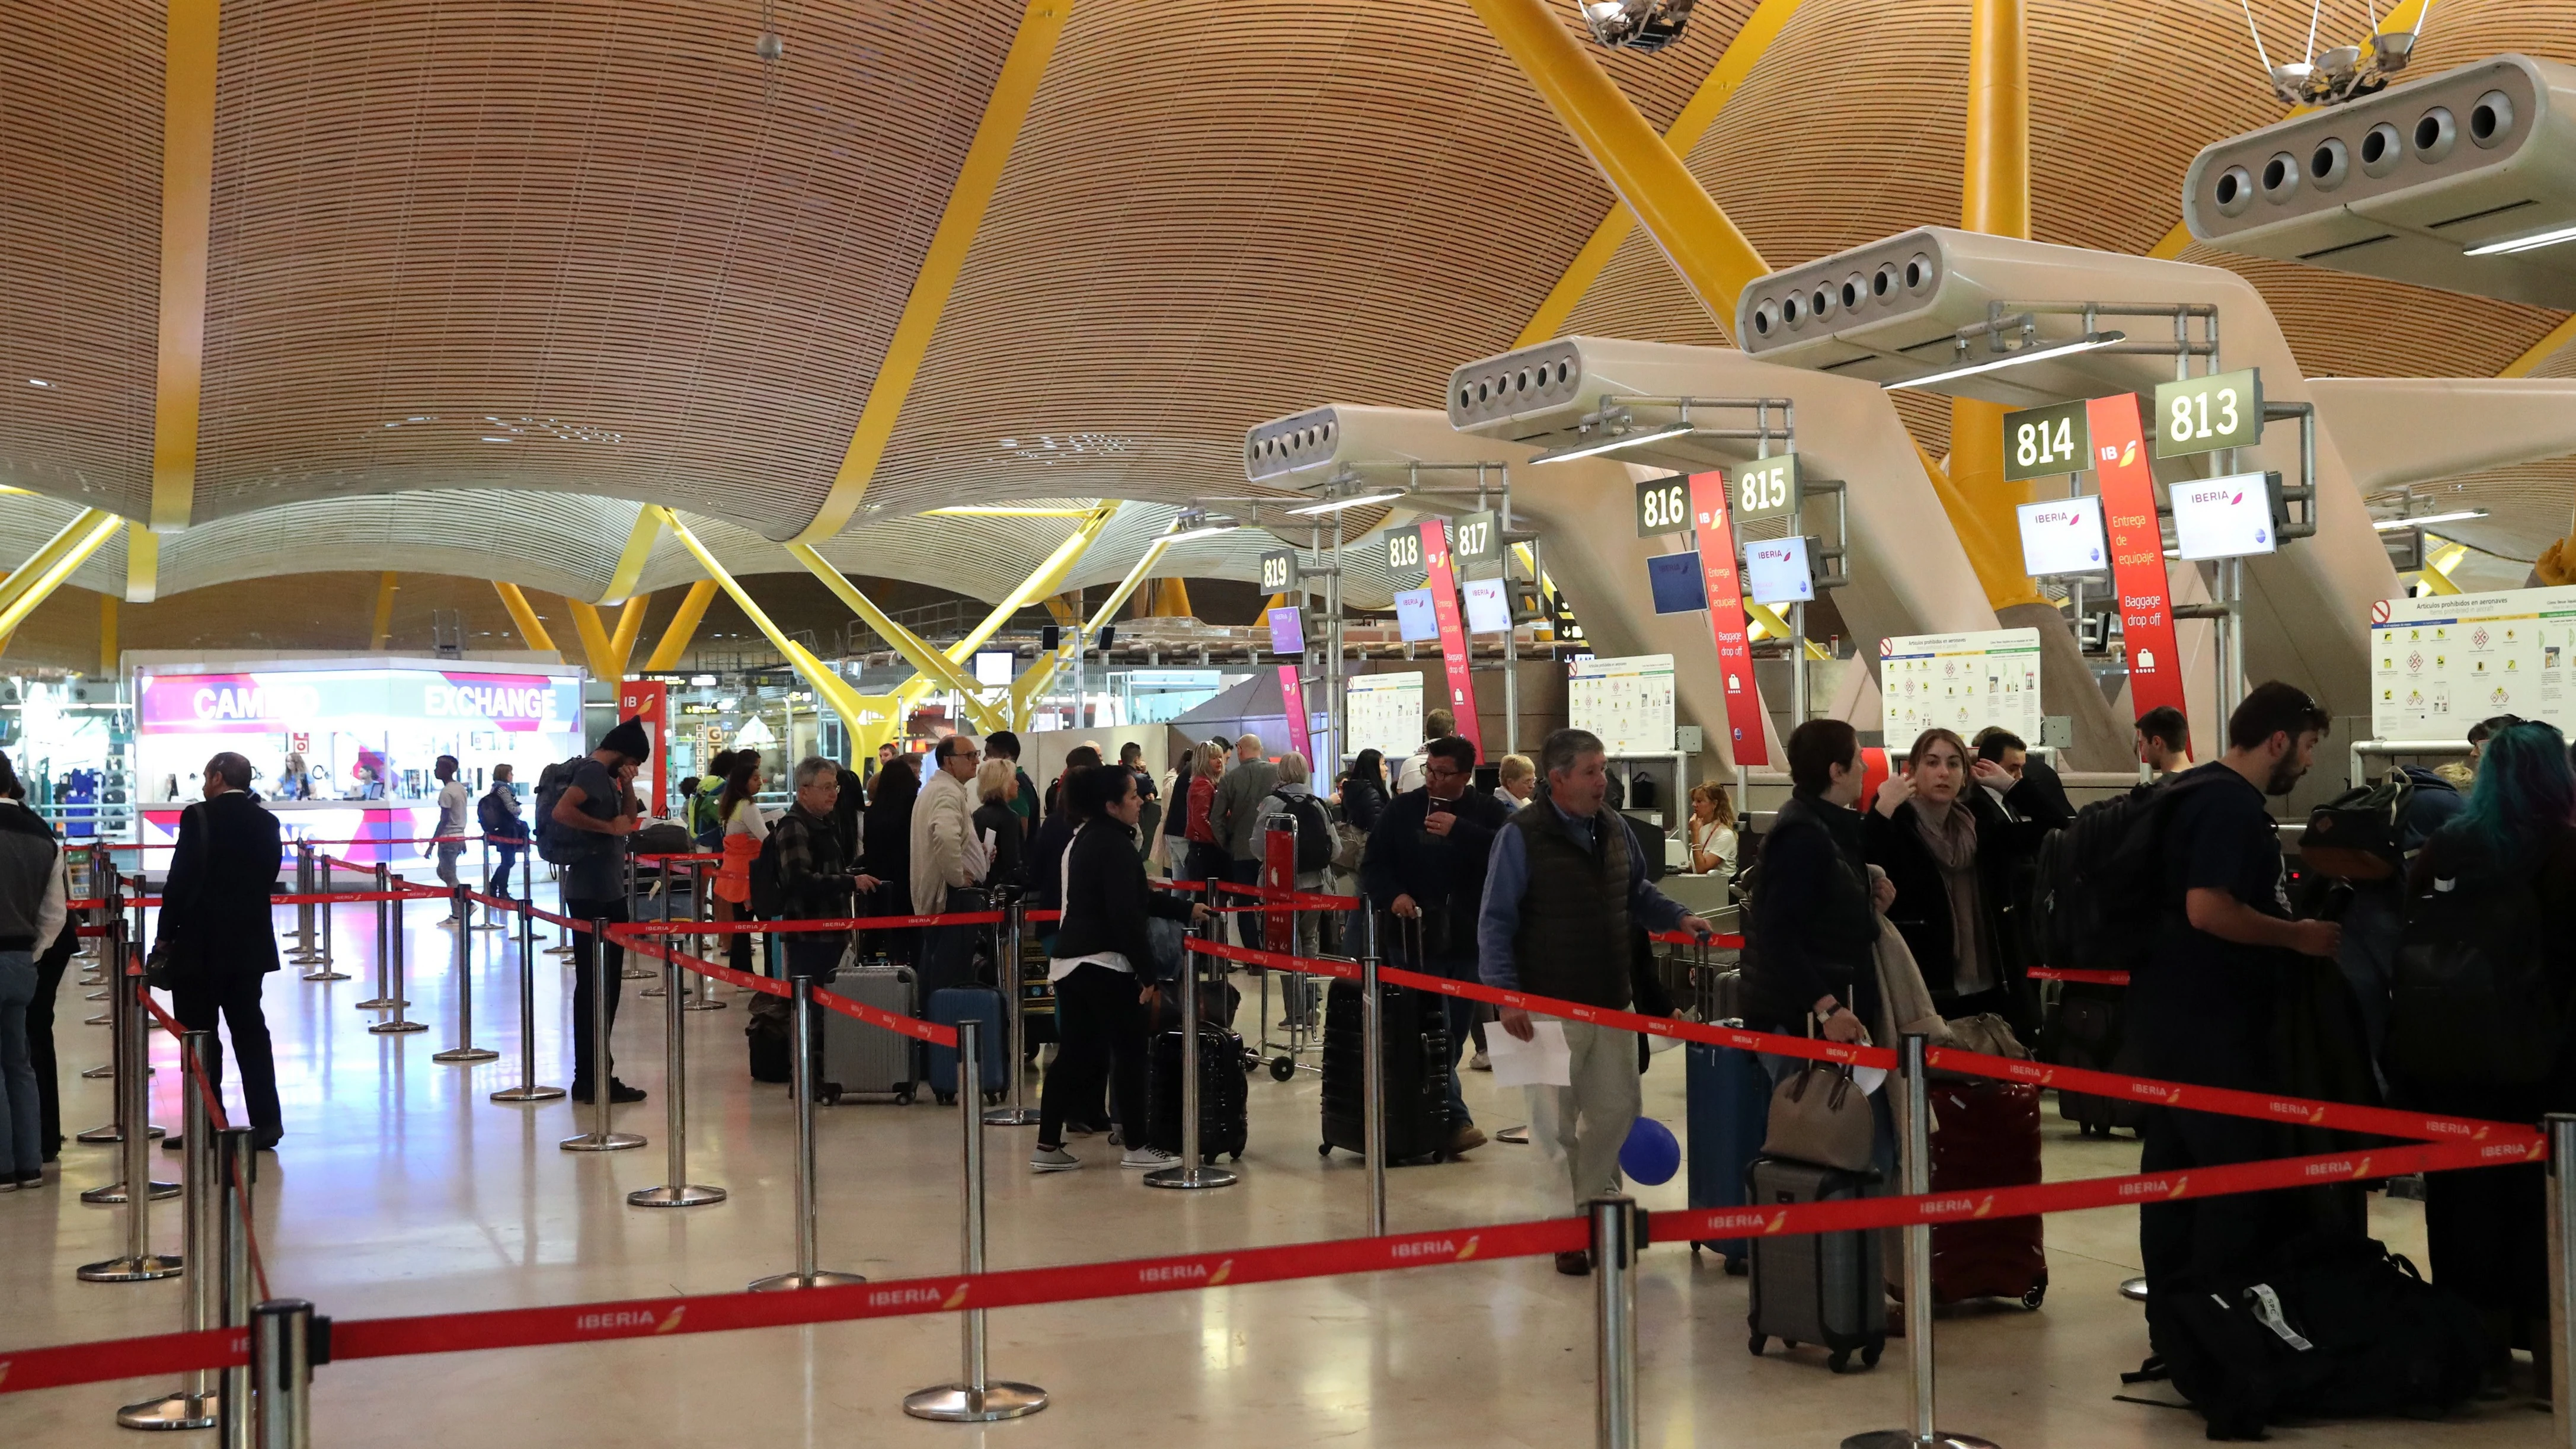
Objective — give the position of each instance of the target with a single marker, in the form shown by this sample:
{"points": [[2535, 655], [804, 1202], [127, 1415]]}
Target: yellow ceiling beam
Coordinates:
{"points": [[42, 583], [923, 655], [630, 624], [46, 553], [142, 566], [1037, 585], [190, 37], [871, 719], [384, 631], [108, 657], [1004, 511], [1034, 680], [639, 551], [597, 656], [1752, 41], [1767, 622], [2539, 352], [522, 613], [1712, 256], [1005, 111], [682, 628]]}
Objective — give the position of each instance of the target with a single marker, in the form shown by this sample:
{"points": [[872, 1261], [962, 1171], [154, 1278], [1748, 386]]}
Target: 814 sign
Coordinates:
{"points": [[2047, 442]]}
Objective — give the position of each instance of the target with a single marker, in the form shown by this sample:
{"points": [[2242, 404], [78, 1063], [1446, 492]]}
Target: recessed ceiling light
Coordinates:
{"points": [[38, 382], [490, 439]]}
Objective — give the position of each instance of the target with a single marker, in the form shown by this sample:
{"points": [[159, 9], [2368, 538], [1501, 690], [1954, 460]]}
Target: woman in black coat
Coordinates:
{"points": [[1364, 790], [1960, 861], [887, 827]]}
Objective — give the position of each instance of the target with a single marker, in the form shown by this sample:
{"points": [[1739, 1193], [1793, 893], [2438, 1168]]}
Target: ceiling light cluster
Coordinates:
{"points": [[2343, 72], [1598, 446], [1336, 505], [1636, 24]]}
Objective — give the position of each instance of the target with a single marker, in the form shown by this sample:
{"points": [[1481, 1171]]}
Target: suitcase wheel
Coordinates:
{"points": [[1759, 1343], [946, 1099], [1323, 1149], [2035, 1296], [993, 1099], [903, 1096], [1869, 1355], [1282, 1068]]}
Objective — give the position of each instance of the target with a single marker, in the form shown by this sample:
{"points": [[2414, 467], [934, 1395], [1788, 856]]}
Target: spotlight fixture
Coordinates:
{"points": [[2009, 359], [2391, 525], [1198, 525], [2342, 73], [1598, 446], [1336, 505], [1636, 24]]}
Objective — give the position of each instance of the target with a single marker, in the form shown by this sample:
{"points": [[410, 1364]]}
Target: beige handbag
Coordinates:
{"points": [[1821, 1116]]}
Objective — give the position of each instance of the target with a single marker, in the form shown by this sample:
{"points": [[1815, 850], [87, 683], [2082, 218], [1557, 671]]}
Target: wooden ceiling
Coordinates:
{"points": [[601, 233]]}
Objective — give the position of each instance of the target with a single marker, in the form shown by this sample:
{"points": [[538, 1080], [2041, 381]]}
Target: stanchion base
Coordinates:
{"points": [[790, 1282], [131, 1270], [170, 1411], [650, 990], [108, 1133], [1516, 1136], [1010, 1117], [556, 951], [1905, 1439], [96, 1072], [491, 926], [2134, 1289], [466, 1054], [395, 1027], [98, 1020], [1190, 1175], [325, 976], [601, 1142], [114, 1193], [703, 1003], [631, 974], [378, 1003], [684, 1195], [528, 1094], [961, 1404]]}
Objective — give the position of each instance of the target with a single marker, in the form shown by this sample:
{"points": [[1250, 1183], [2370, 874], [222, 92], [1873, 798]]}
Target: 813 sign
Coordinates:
{"points": [[2205, 414], [1663, 506], [2047, 441]]}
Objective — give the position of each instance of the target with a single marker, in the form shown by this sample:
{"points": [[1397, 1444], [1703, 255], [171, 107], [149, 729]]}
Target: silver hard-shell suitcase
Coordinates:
{"points": [[864, 1060], [1824, 1289]]}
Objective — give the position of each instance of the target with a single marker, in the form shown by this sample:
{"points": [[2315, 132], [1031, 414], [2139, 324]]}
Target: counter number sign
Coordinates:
{"points": [[1766, 488], [2205, 414], [1663, 506], [1475, 541], [1404, 565], [1278, 571], [2045, 442]]}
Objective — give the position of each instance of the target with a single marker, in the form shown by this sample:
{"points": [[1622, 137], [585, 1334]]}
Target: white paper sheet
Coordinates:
{"points": [[1544, 1061]]}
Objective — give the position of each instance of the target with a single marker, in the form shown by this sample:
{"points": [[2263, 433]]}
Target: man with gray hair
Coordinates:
{"points": [[1235, 816], [1562, 890], [945, 861], [815, 880]]}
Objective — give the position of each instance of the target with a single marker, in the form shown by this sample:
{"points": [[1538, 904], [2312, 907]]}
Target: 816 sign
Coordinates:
{"points": [[1663, 506]]}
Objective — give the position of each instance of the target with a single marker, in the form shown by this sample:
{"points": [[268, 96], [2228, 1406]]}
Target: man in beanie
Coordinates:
{"points": [[599, 805]]}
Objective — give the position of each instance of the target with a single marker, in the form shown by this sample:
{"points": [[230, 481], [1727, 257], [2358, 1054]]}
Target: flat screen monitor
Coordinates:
{"points": [[1415, 618], [2062, 536], [1775, 571], [1287, 630], [2227, 517], [1489, 608], [993, 666], [1675, 580]]}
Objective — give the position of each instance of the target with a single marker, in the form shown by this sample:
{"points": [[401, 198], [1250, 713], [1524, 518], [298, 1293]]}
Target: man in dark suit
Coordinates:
{"points": [[215, 921]]}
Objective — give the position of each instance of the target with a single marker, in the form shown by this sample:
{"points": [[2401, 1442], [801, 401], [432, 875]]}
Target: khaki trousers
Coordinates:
{"points": [[1579, 1129]]}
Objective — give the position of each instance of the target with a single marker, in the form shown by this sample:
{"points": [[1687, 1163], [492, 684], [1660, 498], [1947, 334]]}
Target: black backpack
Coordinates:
{"points": [[555, 844], [2361, 833], [2470, 1001], [494, 819], [2101, 882], [2336, 1327], [1315, 838], [768, 897]]}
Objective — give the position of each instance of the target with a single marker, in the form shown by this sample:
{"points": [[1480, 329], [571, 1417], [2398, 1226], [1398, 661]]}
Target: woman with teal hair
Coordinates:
{"points": [[2512, 850]]}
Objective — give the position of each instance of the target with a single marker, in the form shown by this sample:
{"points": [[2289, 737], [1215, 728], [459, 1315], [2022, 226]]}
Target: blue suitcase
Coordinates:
{"points": [[971, 1003], [1729, 1097]]}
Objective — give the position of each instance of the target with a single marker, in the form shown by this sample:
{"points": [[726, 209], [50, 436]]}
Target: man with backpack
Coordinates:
{"points": [[584, 829], [803, 873], [498, 813], [2202, 1004], [1425, 866]]}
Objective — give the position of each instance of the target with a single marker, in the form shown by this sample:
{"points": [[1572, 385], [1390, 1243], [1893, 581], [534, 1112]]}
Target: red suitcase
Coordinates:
{"points": [[1987, 1136]]}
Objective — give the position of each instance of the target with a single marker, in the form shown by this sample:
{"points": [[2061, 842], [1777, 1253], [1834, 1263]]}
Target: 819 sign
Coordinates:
{"points": [[1663, 506], [1278, 571]]}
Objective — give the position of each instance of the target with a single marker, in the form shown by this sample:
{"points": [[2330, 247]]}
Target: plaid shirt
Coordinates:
{"points": [[813, 875]]}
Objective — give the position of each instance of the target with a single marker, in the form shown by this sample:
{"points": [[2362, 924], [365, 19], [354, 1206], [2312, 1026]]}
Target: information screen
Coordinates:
{"points": [[1489, 608], [1775, 571], [1675, 579], [993, 666], [2227, 517], [1287, 630], [1383, 712], [1627, 701], [1417, 620], [2441, 663], [1962, 682], [2062, 536]]}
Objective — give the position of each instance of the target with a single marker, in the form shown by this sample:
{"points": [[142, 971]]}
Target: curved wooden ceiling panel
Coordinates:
{"points": [[589, 229], [80, 249]]}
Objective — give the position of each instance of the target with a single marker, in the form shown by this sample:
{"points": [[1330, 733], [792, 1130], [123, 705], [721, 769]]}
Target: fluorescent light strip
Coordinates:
{"points": [[2523, 243], [1336, 505], [2391, 525], [1205, 532], [1612, 445], [2028, 354]]}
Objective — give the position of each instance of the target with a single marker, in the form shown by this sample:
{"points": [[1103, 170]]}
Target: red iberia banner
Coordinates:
{"points": [[2137, 553], [1718, 576], [1453, 630]]}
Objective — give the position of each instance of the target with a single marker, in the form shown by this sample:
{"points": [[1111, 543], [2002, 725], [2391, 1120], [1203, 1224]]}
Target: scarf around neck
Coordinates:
{"points": [[1951, 836]]}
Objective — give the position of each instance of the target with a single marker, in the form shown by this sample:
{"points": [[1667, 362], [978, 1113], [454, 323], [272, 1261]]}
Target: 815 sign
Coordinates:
{"points": [[1767, 487], [1663, 506]]}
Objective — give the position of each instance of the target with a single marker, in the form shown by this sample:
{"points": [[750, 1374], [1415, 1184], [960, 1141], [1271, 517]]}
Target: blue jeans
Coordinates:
{"points": [[1882, 1117], [1462, 1027], [21, 1153]]}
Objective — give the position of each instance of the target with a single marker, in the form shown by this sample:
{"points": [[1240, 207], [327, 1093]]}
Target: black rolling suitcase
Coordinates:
{"points": [[2090, 1030], [1824, 1289], [1222, 1097], [1416, 1040]]}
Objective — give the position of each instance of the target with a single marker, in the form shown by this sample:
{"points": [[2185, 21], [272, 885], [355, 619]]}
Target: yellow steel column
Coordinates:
{"points": [[531, 628], [107, 652], [384, 632], [1044, 581], [683, 627], [597, 656], [191, 36], [638, 551], [923, 655], [1034, 679], [64, 539], [42, 584], [142, 566], [869, 724], [630, 622], [1713, 258]]}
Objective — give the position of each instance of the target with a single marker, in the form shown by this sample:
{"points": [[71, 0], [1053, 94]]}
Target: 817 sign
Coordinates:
{"points": [[1663, 506]]}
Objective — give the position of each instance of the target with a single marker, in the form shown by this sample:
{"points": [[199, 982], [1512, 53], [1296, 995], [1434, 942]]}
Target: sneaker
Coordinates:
{"points": [[1480, 1063], [1082, 1129], [450, 923], [620, 1092], [1466, 1139], [1149, 1157], [32, 1179], [1053, 1159], [1574, 1263]]}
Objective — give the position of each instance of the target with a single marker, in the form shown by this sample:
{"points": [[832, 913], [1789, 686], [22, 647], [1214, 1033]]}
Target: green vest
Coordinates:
{"points": [[1573, 938]]}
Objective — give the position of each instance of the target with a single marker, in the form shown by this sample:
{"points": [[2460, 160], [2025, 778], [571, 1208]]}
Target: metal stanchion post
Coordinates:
{"points": [[321, 962], [1190, 1171], [1006, 974], [701, 994], [801, 1083], [388, 929], [233, 1407], [658, 986], [527, 1090], [1615, 1241], [281, 1374], [399, 1025], [303, 954], [2560, 1367], [139, 1264], [192, 1404], [1373, 1078], [114, 1130], [1916, 1169], [679, 1191], [975, 1398], [633, 972], [465, 1050], [600, 1138], [491, 917]]}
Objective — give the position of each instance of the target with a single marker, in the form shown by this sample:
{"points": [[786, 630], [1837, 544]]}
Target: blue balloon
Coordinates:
{"points": [[1650, 1155]]}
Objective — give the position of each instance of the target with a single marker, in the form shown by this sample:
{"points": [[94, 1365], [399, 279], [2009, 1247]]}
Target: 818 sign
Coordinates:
{"points": [[1404, 558]]}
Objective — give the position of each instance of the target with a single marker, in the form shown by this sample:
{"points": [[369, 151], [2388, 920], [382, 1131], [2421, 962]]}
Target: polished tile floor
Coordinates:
{"points": [[401, 1189]]}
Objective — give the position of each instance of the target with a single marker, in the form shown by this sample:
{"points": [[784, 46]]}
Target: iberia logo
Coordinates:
{"points": [[2361, 1168], [2128, 455], [1468, 1249], [1985, 1205], [1779, 1220], [1222, 1269], [673, 1322], [955, 1300], [2178, 1184]]}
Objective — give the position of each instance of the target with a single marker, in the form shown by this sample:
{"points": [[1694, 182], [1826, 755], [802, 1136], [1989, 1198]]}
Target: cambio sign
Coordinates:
{"points": [[327, 699]]}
